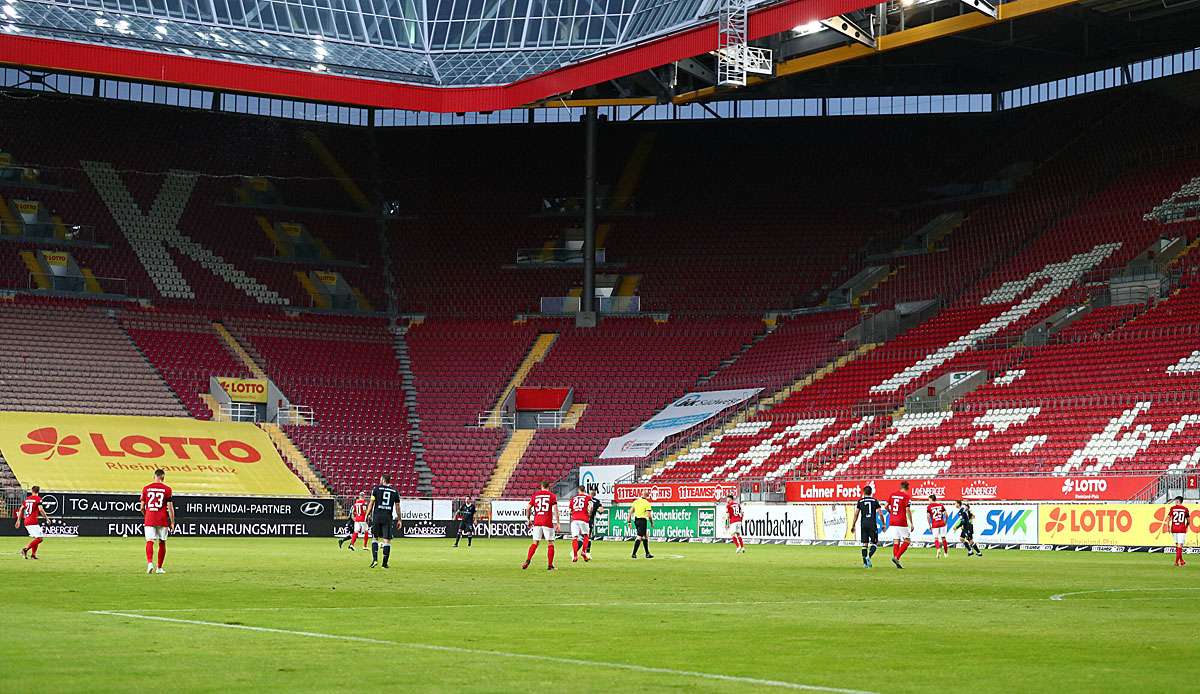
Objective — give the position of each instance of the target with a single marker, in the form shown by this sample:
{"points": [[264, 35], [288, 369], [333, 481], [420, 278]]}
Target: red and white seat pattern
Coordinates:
{"points": [[1124, 399]]}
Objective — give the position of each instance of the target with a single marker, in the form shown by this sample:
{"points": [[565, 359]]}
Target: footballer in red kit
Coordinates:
{"points": [[734, 517], [30, 514], [937, 525], [358, 513], [541, 514], [158, 511], [581, 529], [1178, 517], [900, 522]]}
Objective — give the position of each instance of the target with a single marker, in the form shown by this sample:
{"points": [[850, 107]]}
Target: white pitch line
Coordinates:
{"points": [[501, 606], [780, 684], [1060, 596]]}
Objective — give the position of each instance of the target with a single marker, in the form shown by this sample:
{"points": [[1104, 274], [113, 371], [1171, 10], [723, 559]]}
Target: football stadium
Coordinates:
{"points": [[657, 345]]}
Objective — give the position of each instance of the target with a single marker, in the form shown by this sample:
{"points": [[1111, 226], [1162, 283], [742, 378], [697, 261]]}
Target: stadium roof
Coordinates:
{"points": [[438, 55]]}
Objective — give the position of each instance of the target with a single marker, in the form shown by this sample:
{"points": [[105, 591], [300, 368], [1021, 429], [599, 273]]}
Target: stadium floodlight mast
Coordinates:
{"points": [[735, 56]]}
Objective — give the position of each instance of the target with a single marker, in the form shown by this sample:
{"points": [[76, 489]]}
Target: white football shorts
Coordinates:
{"points": [[157, 532], [1180, 538], [580, 528], [899, 533], [939, 533], [362, 527], [735, 528], [541, 532], [34, 530]]}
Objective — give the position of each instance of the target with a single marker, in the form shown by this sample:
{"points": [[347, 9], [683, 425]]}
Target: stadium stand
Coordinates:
{"points": [[63, 356], [1066, 205], [1051, 398], [346, 370], [461, 368], [624, 370], [185, 349]]}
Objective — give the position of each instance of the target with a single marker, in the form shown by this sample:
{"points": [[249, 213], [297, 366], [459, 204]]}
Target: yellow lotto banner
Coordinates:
{"points": [[119, 454], [56, 258], [244, 389], [27, 206], [1135, 525], [329, 279]]}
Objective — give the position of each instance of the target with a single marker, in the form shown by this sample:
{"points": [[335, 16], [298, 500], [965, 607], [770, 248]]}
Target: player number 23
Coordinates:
{"points": [[154, 500]]}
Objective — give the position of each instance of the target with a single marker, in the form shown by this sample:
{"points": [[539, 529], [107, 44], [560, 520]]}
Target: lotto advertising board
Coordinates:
{"points": [[670, 522], [244, 389], [120, 454], [1117, 488], [1103, 525], [120, 515]]}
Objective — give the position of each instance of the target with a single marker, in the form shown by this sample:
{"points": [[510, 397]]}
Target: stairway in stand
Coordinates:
{"points": [[295, 459], [510, 457]]}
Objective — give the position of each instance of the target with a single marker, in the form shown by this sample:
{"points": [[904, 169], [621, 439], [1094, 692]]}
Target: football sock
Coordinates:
{"points": [[587, 543], [387, 552], [469, 538], [353, 539], [550, 555], [895, 550], [149, 551], [871, 550], [864, 553], [636, 542], [34, 545], [1178, 553], [366, 536], [575, 546], [532, 549], [374, 551], [162, 552], [903, 549]]}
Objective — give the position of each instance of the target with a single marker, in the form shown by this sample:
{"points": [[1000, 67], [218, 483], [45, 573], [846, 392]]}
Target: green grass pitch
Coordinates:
{"points": [[695, 618]]}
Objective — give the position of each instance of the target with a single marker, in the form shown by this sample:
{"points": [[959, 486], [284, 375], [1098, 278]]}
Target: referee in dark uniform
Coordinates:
{"points": [[384, 519], [466, 521]]}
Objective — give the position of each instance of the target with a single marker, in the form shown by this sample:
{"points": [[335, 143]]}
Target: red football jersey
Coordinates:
{"points": [[937, 515], [359, 511], [581, 506], [543, 504], [1179, 518], [29, 510], [154, 504], [734, 510], [898, 509]]}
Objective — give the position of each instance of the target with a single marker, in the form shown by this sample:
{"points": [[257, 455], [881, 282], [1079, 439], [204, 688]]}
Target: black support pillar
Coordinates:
{"points": [[587, 302]]}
